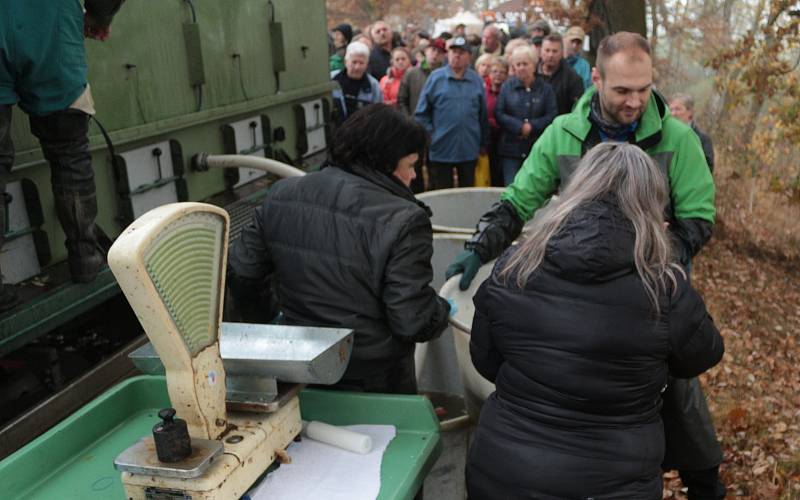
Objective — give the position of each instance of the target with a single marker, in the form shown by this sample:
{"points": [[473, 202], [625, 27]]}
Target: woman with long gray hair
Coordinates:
{"points": [[579, 327]]}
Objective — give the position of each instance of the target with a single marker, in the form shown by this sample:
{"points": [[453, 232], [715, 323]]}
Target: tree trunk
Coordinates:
{"points": [[757, 15], [653, 4], [614, 16]]}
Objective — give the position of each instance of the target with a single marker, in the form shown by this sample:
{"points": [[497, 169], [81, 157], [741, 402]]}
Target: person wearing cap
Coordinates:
{"points": [[540, 28], [357, 88], [460, 30], [411, 87], [566, 83], [414, 79], [572, 48], [452, 107], [342, 36]]}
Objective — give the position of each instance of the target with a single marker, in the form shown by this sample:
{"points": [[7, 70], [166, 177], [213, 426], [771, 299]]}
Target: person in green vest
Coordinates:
{"points": [[623, 107], [43, 70]]}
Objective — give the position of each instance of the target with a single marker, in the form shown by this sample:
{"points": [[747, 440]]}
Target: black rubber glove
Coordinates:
{"points": [[468, 262]]}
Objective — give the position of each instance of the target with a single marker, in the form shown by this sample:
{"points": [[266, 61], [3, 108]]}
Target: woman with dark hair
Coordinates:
{"points": [[579, 327], [349, 246]]}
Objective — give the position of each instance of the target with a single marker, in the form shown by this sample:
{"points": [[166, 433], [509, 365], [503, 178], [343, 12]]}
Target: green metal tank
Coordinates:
{"points": [[176, 78]]}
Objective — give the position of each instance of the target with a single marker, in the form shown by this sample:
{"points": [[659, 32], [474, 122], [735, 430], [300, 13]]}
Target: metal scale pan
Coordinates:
{"points": [[266, 364]]}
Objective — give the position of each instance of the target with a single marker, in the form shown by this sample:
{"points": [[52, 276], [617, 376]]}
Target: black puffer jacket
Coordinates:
{"points": [[579, 362], [346, 249]]}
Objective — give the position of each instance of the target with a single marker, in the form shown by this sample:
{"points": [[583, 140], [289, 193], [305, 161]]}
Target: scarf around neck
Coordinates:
{"points": [[609, 130]]}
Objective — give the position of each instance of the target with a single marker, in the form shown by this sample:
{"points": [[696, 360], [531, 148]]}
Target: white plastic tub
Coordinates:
{"points": [[476, 388], [436, 362], [458, 210]]}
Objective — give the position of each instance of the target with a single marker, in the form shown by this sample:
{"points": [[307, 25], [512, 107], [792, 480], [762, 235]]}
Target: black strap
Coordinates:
{"points": [[103, 239]]}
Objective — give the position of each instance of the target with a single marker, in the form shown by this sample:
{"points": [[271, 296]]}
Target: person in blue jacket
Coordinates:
{"points": [[573, 42], [525, 107], [452, 107]]}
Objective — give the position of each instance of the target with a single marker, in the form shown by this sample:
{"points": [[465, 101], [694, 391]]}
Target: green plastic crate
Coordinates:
{"points": [[75, 458]]}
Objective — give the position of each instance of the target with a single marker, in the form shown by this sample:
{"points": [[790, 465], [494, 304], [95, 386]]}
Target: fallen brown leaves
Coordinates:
{"points": [[754, 393]]}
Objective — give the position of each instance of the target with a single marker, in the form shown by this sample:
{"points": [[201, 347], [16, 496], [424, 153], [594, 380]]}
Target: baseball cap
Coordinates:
{"points": [[459, 42], [439, 43], [575, 33]]}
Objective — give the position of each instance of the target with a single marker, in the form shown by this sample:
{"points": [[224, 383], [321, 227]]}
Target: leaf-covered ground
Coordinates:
{"points": [[754, 393]]}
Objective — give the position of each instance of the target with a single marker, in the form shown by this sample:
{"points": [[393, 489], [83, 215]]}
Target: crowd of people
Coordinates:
{"points": [[545, 71], [589, 327]]}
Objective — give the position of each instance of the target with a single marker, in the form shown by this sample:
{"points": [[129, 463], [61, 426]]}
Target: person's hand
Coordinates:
{"points": [[453, 307], [526, 130], [93, 30], [468, 262]]}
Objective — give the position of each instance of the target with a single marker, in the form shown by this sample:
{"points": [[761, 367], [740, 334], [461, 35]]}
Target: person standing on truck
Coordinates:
{"points": [[623, 107], [43, 70]]}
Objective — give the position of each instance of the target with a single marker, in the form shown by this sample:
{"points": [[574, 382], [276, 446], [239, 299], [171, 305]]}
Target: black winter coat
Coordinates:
{"points": [[567, 85], [346, 249], [579, 362]]}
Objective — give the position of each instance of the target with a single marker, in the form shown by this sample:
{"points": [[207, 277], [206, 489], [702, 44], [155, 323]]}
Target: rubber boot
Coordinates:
{"points": [[76, 213], [8, 298], [65, 143]]}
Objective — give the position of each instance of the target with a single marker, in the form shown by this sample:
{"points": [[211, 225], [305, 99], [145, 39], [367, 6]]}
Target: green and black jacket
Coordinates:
{"points": [[554, 157]]}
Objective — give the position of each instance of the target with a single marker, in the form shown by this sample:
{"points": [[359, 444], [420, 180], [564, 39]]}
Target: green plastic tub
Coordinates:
{"points": [[74, 460]]}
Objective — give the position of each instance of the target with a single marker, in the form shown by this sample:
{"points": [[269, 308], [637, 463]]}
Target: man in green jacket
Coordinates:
{"points": [[43, 70], [622, 108]]}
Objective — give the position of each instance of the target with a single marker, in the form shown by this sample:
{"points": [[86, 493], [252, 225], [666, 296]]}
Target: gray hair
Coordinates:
{"points": [[525, 51], [686, 99], [492, 28], [356, 49], [622, 170]]}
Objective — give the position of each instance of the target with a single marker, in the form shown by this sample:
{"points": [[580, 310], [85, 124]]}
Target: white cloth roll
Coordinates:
{"points": [[337, 436]]}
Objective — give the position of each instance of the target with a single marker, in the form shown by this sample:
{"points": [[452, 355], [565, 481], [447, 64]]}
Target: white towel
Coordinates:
{"points": [[322, 472]]}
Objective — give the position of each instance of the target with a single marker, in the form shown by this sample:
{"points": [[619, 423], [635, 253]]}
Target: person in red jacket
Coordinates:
{"points": [[390, 84]]}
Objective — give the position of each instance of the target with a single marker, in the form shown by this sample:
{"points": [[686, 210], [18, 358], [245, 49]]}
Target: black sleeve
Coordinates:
{"points": [[248, 277], [575, 88], [695, 342], [103, 11], [689, 236], [495, 231], [414, 310], [708, 150], [485, 357], [404, 97]]}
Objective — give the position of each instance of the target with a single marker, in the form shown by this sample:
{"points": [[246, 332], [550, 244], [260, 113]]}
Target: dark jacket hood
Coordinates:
{"points": [[595, 244]]}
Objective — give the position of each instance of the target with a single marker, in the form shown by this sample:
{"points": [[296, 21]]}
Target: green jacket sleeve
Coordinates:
{"points": [[691, 184]]}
